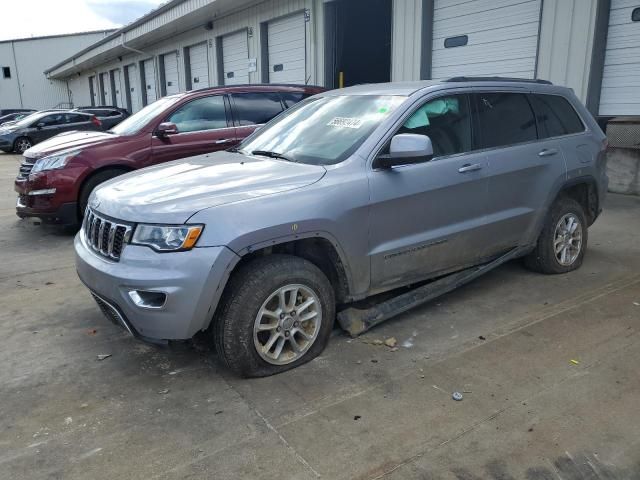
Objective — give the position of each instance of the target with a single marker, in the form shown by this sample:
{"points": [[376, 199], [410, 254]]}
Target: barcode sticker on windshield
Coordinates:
{"points": [[345, 122]]}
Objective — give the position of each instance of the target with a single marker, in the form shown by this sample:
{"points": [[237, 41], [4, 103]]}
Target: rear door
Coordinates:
{"points": [[253, 109], [204, 125], [75, 121], [522, 168]]}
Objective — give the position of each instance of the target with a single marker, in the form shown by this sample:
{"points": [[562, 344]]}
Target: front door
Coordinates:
{"points": [[204, 126], [428, 218]]}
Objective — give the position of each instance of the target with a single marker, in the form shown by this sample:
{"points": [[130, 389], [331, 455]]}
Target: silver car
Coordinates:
{"points": [[349, 194]]}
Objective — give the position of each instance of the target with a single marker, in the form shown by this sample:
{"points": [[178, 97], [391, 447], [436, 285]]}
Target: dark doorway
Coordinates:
{"points": [[357, 42]]}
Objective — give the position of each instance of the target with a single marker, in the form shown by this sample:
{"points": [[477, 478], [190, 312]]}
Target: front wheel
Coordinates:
{"points": [[22, 144], [276, 314], [563, 239]]}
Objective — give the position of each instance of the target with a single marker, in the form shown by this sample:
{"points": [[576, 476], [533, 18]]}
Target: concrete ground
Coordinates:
{"points": [[548, 366]]}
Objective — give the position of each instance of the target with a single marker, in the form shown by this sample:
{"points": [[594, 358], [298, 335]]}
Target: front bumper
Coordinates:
{"points": [[192, 280]]}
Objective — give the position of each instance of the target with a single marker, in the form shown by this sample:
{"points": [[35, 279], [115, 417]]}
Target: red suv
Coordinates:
{"points": [[57, 176]]}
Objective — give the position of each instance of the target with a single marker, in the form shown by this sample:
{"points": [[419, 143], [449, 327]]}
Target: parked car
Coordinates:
{"points": [[20, 136], [349, 194], [57, 176], [32, 115], [109, 116], [7, 111], [10, 117]]}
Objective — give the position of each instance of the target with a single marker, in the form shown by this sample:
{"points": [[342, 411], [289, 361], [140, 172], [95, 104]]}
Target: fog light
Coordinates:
{"points": [[147, 299], [47, 191]]}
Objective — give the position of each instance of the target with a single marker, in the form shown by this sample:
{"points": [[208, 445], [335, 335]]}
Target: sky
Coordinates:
{"points": [[52, 17]]}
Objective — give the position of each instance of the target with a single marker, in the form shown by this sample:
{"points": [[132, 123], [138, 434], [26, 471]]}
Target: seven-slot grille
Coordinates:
{"points": [[25, 167], [105, 236]]}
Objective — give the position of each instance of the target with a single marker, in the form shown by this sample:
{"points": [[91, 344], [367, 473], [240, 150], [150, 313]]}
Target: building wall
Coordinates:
{"points": [[28, 87]]}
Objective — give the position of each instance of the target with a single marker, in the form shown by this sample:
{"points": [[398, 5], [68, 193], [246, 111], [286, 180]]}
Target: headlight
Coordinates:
{"points": [[164, 238], [53, 162]]}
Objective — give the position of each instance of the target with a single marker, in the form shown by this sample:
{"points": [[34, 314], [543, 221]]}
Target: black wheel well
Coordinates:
{"points": [[317, 250], [586, 194]]}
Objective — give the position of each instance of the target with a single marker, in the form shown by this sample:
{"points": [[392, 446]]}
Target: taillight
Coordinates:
{"points": [[96, 121]]}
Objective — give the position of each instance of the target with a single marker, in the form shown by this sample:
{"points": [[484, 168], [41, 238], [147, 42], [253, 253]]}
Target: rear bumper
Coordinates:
{"points": [[192, 281]]}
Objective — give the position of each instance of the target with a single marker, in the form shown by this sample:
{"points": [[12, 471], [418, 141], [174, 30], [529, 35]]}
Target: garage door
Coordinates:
{"points": [[620, 94], [133, 95], [117, 85], [93, 91], [485, 37], [105, 83], [286, 39], [198, 67], [170, 68], [235, 58], [150, 81]]}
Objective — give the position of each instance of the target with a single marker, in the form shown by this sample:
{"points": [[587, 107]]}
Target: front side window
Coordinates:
{"points": [[555, 116], [504, 119], [324, 130], [141, 119], [256, 108], [446, 121], [51, 120], [205, 113]]}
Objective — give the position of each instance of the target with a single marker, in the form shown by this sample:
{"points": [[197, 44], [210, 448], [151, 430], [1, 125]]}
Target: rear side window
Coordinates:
{"points": [[256, 108], [504, 119], [206, 113], [555, 116], [74, 118]]}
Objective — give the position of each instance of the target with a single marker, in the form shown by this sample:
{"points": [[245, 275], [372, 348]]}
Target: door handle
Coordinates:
{"points": [[469, 168], [547, 152], [223, 141]]}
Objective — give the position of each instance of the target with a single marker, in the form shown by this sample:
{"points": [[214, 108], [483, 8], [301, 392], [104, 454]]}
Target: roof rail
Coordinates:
{"points": [[498, 79]]}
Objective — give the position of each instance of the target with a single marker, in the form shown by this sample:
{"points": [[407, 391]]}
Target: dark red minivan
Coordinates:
{"points": [[57, 176]]}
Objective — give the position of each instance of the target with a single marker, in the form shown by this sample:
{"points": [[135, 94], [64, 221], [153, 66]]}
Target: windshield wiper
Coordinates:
{"points": [[267, 153]]}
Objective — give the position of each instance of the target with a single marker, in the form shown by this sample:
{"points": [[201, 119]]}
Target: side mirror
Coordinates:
{"points": [[406, 149], [166, 128]]}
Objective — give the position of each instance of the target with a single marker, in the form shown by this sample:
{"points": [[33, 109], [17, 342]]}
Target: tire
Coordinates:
{"points": [[254, 289], [21, 144], [544, 258], [91, 184]]}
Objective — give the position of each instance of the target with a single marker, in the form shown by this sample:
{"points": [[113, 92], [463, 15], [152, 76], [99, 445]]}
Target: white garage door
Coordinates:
{"points": [[117, 82], [133, 82], [199, 66], [150, 81], [171, 81], [105, 83], [287, 49], [485, 37], [620, 94], [235, 58], [93, 91]]}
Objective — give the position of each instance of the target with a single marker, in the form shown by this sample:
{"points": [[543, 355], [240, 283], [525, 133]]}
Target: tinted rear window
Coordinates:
{"points": [[256, 108], [555, 116], [504, 119]]}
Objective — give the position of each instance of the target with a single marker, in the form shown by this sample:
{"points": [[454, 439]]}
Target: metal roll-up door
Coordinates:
{"points": [[198, 66], [170, 69], [117, 83], [133, 94], [485, 37], [286, 40], [105, 83], [620, 92], [150, 81], [235, 58], [93, 91]]}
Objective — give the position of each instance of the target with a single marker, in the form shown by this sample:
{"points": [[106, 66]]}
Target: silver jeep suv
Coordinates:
{"points": [[350, 193]]}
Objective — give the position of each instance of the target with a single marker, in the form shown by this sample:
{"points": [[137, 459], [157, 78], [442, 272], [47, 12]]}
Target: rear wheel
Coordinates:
{"points": [[277, 313], [22, 144], [91, 184], [563, 240]]}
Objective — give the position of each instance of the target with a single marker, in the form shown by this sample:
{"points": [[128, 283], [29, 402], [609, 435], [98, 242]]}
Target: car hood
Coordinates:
{"points": [[172, 192], [69, 141]]}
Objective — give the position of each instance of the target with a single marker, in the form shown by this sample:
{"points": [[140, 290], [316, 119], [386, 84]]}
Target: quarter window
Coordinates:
{"points": [[256, 108], [504, 119], [206, 113], [447, 122], [555, 116]]}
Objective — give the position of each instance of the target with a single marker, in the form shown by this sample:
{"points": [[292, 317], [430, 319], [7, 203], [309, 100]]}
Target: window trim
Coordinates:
{"points": [[457, 41], [635, 14], [181, 105], [234, 108], [584, 124], [6, 72]]}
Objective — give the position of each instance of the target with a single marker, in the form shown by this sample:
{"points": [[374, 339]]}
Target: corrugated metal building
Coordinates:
{"points": [[23, 61], [592, 46]]}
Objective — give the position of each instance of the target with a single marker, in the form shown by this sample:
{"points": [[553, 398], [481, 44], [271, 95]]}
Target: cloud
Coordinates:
{"points": [[52, 17]]}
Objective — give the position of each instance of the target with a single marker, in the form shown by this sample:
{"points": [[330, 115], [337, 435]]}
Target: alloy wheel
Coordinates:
{"points": [[567, 240]]}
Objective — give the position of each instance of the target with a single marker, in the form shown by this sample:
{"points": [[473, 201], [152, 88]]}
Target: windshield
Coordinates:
{"points": [[322, 131], [137, 121]]}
